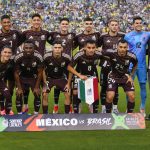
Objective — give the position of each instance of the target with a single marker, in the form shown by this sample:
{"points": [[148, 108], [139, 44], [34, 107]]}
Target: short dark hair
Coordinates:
{"points": [[88, 19], [5, 17], [29, 42], [64, 19], [137, 18], [57, 42], [36, 15], [122, 41], [6, 46], [89, 42]]}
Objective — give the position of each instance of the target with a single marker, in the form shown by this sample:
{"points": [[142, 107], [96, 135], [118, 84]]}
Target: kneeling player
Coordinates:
{"points": [[56, 63], [120, 60], [5, 63], [28, 73]]}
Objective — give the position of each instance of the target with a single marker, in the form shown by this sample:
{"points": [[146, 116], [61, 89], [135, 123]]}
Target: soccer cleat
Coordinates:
{"points": [[11, 112], [116, 111], [3, 112], [71, 110], [25, 109], [55, 109], [142, 111]]}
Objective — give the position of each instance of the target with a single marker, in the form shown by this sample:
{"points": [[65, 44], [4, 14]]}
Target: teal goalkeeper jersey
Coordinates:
{"points": [[137, 44]]}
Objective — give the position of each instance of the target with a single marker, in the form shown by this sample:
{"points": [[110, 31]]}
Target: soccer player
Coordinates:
{"points": [[109, 40], [56, 63], [39, 37], [67, 39], [120, 60], [88, 33], [9, 37], [28, 73], [138, 41], [87, 59], [5, 63]]}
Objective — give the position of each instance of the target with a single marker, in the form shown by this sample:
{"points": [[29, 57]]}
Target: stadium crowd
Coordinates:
{"points": [[76, 10]]}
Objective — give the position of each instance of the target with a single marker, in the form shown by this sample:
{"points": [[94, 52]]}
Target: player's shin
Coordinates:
{"points": [[19, 104], [37, 103], [56, 95], [45, 103], [67, 103], [95, 106]]}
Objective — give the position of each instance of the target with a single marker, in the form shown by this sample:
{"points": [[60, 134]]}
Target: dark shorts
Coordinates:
{"points": [[27, 83], [114, 83], [59, 83]]}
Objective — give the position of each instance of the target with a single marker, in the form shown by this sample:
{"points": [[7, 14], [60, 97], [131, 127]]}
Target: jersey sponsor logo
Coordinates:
{"points": [[42, 37], [14, 36]]}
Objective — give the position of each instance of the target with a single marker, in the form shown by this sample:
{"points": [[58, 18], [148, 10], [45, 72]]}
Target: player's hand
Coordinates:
{"points": [[67, 88], [46, 88], [83, 77], [129, 78], [36, 91], [19, 92]]}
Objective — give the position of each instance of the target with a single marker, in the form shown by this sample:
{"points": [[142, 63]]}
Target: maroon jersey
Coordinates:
{"points": [[87, 64], [109, 42], [12, 39], [81, 38], [56, 67], [28, 65], [120, 64], [66, 39], [4, 67], [38, 37]]}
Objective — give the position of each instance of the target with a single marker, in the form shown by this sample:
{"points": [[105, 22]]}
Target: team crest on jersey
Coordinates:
{"points": [[95, 62], [34, 64], [62, 64], [56, 69], [22, 64], [126, 62], [69, 37], [43, 37], [14, 36], [94, 38]]}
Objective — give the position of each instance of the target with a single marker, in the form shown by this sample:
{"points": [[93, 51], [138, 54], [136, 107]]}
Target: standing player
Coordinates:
{"points": [[5, 63], [39, 38], [138, 41], [28, 73], [67, 39], [87, 59], [56, 63], [11, 38], [120, 60], [109, 41]]}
